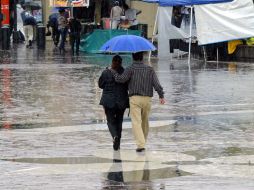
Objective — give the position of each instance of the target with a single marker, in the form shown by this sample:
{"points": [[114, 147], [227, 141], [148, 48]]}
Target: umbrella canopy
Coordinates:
{"points": [[32, 5], [127, 44], [185, 2]]}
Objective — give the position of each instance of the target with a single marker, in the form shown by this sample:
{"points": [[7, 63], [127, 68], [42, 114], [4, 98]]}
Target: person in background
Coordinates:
{"points": [[75, 30], [63, 29], [131, 14], [142, 80], [53, 23], [115, 15], [28, 25], [114, 100]]}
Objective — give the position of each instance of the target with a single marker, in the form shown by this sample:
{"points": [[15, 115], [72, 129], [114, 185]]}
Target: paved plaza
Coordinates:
{"points": [[53, 133]]}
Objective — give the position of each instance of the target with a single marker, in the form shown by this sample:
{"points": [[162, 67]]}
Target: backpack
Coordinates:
{"points": [[28, 18], [53, 20]]}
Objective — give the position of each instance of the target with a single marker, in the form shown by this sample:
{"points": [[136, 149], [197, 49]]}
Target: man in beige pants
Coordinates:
{"points": [[142, 80], [29, 33], [28, 24]]}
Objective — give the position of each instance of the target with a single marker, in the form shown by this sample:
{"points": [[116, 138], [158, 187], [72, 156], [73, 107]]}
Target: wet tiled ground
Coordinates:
{"points": [[209, 147]]}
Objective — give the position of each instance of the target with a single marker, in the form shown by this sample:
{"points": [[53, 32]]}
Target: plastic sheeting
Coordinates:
{"points": [[189, 2], [19, 19], [167, 3], [167, 31], [224, 22], [92, 43]]}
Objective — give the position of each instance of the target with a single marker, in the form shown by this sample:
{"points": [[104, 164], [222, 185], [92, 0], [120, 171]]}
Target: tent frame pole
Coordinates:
{"points": [[154, 31], [190, 37]]}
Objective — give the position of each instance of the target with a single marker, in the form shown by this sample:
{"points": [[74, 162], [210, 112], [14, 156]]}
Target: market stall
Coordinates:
{"points": [[97, 20]]}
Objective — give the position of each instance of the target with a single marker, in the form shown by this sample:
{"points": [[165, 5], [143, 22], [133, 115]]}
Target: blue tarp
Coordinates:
{"points": [[166, 3]]}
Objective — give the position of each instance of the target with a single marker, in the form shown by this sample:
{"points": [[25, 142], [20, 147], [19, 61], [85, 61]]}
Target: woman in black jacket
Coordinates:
{"points": [[114, 100]]}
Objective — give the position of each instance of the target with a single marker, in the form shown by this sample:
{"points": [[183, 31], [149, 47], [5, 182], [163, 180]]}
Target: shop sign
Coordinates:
{"points": [[5, 11], [69, 3]]}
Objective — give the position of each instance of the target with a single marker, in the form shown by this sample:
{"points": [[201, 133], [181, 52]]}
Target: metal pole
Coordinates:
{"points": [[204, 50], [154, 31], [217, 52], [191, 23], [15, 36], [205, 56]]}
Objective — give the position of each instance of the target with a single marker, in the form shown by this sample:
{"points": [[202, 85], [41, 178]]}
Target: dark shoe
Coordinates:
{"points": [[30, 43], [116, 143], [140, 149]]}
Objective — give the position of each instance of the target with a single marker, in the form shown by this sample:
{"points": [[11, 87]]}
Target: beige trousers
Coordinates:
{"points": [[140, 107], [29, 32]]}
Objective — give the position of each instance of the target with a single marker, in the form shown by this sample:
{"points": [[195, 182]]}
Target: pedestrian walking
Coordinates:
{"points": [[142, 80], [63, 29], [53, 23], [75, 30], [115, 15], [114, 100], [28, 25]]}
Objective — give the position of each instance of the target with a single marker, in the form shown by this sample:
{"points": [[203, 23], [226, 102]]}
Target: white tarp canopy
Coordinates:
{"points": [[224, 22], [167, 31]]}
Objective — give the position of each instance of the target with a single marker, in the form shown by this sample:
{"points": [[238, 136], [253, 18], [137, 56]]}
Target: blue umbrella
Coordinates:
{"points": [[127, 44]]}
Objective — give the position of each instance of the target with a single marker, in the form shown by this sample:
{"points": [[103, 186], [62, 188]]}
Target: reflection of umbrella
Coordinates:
{"points": [[32, 5], [127, 44]]}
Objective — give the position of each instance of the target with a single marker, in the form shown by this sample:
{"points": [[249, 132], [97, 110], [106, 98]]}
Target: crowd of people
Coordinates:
{"points": [[61, 26]]}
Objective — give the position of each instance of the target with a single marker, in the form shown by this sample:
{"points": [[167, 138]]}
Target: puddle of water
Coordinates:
{"points": [[62, 160], [220, 152], [117, 172]]}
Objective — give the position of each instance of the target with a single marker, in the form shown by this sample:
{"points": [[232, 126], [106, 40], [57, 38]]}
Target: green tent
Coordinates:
{"points": [[91, 43]]}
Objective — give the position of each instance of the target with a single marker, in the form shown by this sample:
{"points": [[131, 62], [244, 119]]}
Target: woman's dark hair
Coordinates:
{"points": [[125, 6], [137, 56], [116, 62]]}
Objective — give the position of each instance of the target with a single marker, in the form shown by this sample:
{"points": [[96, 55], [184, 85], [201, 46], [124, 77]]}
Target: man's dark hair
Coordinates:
{"points": [[116, 3], [61, 10], [137, 56]]}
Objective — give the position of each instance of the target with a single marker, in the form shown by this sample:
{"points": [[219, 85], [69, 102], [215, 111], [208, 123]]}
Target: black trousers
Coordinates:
{"points": [[55, 35], [114, 120], [75, 39]]}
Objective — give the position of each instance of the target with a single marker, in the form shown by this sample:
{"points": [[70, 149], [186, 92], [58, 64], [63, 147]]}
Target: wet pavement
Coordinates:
{"points": [[53, 133]]}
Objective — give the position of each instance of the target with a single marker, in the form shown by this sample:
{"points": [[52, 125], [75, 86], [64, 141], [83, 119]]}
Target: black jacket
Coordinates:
{"points": [[114, 94], [75, 26]]}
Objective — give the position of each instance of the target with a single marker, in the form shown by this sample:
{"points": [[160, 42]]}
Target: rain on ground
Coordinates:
{"points": [[53, 133]]}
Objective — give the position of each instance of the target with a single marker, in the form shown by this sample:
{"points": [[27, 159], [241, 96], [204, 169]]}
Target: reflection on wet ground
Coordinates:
{"points": [[116, 171], [62, 160], [210, 146]]}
